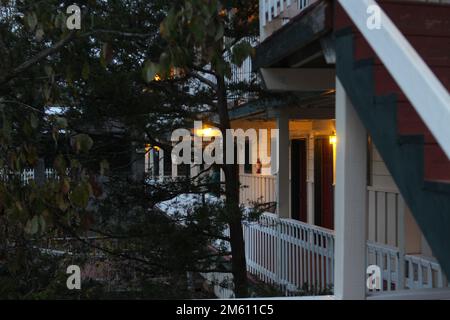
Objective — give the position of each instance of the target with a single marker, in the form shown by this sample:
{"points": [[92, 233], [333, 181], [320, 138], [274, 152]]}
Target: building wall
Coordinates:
{"points": [[277, 22], [294, 9], [386, 208], [298, 129], [388, 217]]}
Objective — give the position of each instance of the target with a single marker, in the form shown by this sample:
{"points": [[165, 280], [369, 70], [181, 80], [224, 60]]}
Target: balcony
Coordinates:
{"points": [[276, 13]]}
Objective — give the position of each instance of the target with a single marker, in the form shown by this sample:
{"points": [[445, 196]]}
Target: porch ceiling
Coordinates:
{"points": [[304, 105]]}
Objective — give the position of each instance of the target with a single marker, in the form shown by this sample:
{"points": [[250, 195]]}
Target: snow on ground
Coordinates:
{"points": [[184, 204]]}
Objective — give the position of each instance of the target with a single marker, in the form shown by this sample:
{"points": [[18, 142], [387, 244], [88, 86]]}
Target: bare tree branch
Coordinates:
{"points": [[37, 58]]}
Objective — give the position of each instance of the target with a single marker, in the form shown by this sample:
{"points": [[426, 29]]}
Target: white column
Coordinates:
{"points": [[150, 167], [161, 164], [283, 203], [350, 201], [174, 159], [174, 170], [310, 181]]}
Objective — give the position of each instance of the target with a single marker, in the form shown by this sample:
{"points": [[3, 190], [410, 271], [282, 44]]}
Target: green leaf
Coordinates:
{"points": [[220, 32], [32, 226], [80, 196], [42, 224], [150, 71], [39, 34], [82, 143], [60, 21], [106, 54], [86, 71], [31, 20], [49, 71], [61, 122], [104, 166], [59, 164], [61, 203], [34, 121], [241, 51]]}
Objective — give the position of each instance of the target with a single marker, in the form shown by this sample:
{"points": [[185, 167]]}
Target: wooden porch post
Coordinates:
{"points": [[174, 166], [282, 149], [350, 201], [161, 164], [151, 164]]}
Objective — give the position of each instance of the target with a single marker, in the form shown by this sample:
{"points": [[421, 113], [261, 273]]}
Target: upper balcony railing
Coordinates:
{"points": [[276, 13]]}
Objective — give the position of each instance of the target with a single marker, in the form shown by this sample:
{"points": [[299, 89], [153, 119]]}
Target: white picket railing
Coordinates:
{"points": [[409, 271], [257, 188], [290, 254], [273, 9], [423, 272], [388, 259], [28, 175], [293, 255]]}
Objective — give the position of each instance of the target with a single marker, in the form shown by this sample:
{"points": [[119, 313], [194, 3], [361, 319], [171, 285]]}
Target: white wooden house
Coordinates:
{"points": [[363, 173]]}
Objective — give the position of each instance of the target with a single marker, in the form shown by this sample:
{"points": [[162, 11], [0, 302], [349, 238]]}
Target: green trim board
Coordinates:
{"points": [[403, 155]]}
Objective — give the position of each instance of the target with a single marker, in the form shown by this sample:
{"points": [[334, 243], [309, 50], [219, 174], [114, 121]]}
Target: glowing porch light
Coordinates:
{"points": [[208, 132], [333, 140], [149, 147]]}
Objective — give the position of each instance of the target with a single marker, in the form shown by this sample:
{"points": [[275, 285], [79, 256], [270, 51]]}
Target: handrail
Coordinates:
{"points": [[301, 224], [426, 93]]}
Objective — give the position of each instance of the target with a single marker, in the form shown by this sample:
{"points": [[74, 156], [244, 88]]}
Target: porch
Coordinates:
{"points": [[298, 257]]}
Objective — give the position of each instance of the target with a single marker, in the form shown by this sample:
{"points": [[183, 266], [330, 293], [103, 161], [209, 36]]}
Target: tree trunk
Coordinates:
{"points": [[239, 266]]}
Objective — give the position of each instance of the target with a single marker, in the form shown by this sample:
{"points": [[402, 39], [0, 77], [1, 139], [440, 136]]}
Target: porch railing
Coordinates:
{"points": [[296, 256], [422, 272], [290, 254], [388, 259], [419, 272], [273, 9], [255, 188]]}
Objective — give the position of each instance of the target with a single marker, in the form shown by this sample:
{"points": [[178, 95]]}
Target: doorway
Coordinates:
{"points": [[323, 183], [298, 180]]}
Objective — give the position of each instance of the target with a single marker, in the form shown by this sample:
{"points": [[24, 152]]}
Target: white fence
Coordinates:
{"points": [[388, 259], [28, 175], [294, 255], [422, 272], [290, 254], [408, 271], [256, 188], [273, 9]]}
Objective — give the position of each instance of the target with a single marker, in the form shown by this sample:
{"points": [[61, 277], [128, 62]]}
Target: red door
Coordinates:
{"points": [[323, 183]]}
